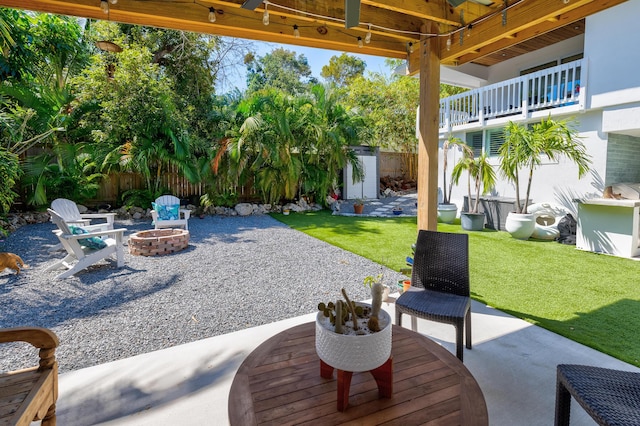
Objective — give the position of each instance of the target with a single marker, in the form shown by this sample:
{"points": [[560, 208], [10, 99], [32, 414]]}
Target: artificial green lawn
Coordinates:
{"points": [[590, 298]]}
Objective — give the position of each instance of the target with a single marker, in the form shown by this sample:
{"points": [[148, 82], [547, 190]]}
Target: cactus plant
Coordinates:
{"points": [[345, 310]]}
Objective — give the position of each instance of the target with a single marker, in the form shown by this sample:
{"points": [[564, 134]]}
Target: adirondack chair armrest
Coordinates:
{"points": [[116, 232], [41, 338], [109, 217], [30, 394], [186, 213]]}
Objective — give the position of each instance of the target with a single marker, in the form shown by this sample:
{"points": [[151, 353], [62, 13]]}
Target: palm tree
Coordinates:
{"points": [[446, 146], [481, 171], [526, 147]]}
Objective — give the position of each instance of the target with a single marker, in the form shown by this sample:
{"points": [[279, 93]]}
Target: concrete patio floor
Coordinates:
{"points": [[513, 361]]}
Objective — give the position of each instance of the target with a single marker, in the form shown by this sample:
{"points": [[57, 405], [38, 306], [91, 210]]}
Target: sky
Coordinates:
{"points": [[317, 58]]}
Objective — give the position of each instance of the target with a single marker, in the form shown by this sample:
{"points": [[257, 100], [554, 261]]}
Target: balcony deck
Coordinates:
{"points": [[559, 89], [513, 361]]}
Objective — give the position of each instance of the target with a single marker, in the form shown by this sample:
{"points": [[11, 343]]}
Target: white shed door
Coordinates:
{"points": [[367, 188]]}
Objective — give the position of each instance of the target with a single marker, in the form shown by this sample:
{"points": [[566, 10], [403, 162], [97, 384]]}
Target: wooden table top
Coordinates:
{"points": [[279, 383]]}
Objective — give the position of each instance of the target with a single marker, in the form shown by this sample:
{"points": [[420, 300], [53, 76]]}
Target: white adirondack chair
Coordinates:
{"points": [[80, 257], [183, 214], [68, 210]]}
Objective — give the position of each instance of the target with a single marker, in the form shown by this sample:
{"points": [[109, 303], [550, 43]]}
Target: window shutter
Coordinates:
{"points": [[474, 140], [496, 140]]}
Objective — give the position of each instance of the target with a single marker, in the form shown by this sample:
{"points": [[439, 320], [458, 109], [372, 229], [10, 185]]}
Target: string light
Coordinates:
{"points": [[410, 47], [367, 38], [104, 5], [212, 14], [449, 43], [265, 16], [359, 41], [296, 32]]}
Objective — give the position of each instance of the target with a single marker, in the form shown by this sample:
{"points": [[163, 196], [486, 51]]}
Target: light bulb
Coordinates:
{"points": [[296, 32], [469, 30], [410, 47], [448, 43], [265, 16], [359, 41], [212, 15], [114, 1], [367, 38], [104, 6]]}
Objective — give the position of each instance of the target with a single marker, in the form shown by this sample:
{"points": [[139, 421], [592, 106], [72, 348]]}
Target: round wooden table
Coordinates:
{"points": [[279, 383]]}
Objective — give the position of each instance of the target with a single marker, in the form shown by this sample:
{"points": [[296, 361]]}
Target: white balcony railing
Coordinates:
{"points": [[549, 88]]}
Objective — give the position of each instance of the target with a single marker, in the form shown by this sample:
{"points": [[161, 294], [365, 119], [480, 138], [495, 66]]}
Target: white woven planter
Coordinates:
{"points": [[350, 352]]}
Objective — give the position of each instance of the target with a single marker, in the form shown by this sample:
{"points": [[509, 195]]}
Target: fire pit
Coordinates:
{"points": [[158, 242]]}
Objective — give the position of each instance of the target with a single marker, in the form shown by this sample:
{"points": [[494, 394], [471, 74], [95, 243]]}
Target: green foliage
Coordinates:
{"points": [[389, 108], [139, 198], [229, 199], [480, 170], [526, 147], [69, 172], [342, 69], [281, 69], [9, 174]]}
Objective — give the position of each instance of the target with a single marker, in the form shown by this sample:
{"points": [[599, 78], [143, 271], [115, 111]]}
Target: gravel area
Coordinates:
{"points": [[237, 272]]}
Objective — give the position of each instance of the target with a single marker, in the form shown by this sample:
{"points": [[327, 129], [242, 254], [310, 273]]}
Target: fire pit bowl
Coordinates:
{"points": [[158, 242]]}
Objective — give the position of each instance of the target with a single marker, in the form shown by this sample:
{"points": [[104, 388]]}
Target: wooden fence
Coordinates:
{"points": [[111, 188]]}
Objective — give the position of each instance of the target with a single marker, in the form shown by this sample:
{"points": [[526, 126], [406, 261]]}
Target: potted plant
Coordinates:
{"points": [[354, 336], [481, 171], [358, 205], [525, 148], [447, 211]]}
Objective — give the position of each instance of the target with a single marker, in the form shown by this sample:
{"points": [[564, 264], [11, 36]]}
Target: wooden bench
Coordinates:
{"points": [[30, 394]]}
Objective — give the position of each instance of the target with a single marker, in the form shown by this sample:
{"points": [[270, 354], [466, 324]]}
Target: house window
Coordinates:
{"points": [[495, 138], [474, 140]]}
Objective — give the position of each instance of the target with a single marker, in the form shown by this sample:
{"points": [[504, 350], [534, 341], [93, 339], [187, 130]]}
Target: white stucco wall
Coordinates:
{"points": [[611, 46]]}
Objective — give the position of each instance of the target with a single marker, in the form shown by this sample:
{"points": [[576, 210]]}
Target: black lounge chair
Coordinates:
{"points": [[441, 267], [610, 397]]}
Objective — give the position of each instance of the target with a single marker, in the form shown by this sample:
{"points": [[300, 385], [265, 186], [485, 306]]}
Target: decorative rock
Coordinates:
{"points": [[82, 209], [137, 215], [244, 209]]}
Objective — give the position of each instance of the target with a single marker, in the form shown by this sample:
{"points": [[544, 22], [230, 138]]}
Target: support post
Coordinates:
{"points": [[428, 126]]}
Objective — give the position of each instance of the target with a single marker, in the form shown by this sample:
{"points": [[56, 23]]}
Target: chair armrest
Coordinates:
{"points": [[81, 222], [39, 337], [104, 226], [186, 213], [109, 217], [119, 231], [98, 215], [154, 215]]}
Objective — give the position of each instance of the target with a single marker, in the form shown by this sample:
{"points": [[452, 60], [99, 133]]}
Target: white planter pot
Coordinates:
{"points": [[350, 352], [447, 212], [520, 225]]}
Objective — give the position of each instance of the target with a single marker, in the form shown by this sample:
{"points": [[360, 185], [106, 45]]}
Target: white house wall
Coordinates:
{"points": [[611, 45]]}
